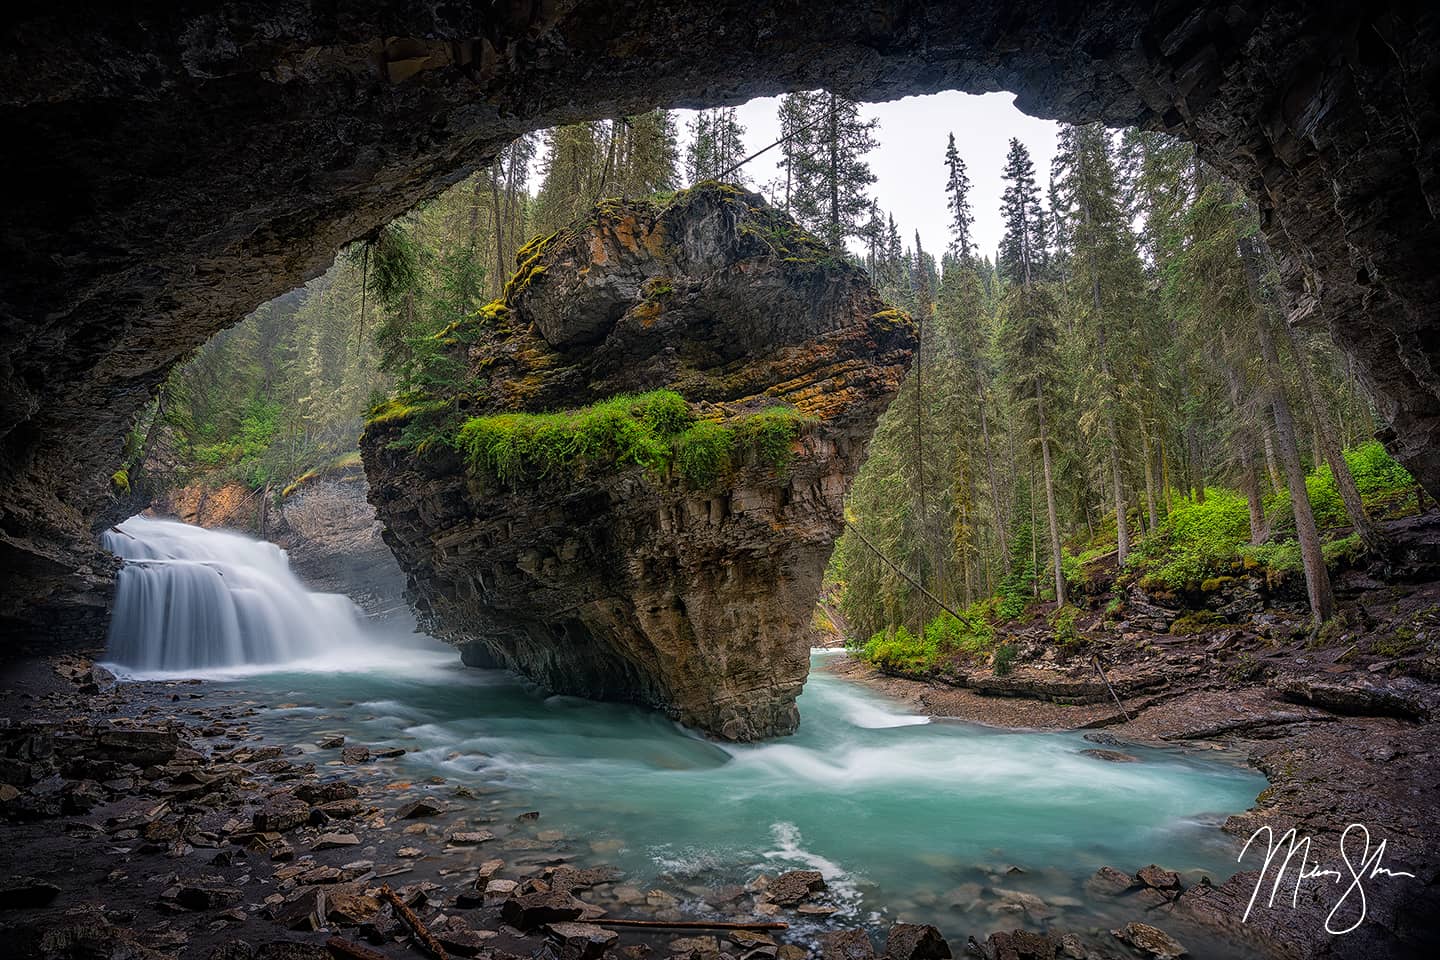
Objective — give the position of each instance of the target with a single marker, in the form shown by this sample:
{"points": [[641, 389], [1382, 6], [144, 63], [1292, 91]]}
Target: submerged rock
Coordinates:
{"points": [[657, 550]]}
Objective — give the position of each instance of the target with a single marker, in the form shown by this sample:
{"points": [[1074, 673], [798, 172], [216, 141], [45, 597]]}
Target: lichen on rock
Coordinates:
{"points": [[633, 490]]}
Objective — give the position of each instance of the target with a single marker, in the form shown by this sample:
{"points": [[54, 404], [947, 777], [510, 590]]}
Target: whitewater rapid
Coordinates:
{"points": [[197, 602]]}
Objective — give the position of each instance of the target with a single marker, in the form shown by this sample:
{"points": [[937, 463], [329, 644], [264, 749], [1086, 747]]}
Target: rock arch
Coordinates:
{"points": [[165, 174]]}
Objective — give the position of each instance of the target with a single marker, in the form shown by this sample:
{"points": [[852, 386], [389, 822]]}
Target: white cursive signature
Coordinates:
{"points": [[1366, 867]]}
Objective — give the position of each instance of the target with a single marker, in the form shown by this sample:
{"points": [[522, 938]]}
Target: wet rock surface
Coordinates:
{"points": [[687, 592]]}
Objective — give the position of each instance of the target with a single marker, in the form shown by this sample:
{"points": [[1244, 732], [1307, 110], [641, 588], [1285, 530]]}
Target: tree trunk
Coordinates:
{"points": [[1050, 499], [1271, 469], [499, 285], [996, 506], [1370, 534], [1245, 447], [835, 239], [1317, 578], [1148, 453]]}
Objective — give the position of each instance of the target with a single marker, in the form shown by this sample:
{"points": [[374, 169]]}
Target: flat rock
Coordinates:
{"points": [[26, 893], [332, 841], [790, 888], [847, 945], [532, 911], [702, 945], [1151, 940], [423, 807], [1113, 756], [281, 812], [1159, 879], [582, 941], [470, 837]]}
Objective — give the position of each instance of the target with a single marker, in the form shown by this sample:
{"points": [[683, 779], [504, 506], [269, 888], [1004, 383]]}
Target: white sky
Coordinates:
{"points": [[909, 164]]}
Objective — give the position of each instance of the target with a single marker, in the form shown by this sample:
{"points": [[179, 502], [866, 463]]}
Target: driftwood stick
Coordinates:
{"points": [[1101, 670], [350, 950], [414, 923], [692, 924]]}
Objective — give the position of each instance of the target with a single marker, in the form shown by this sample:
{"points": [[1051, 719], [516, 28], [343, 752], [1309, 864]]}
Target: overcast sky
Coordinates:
{"points": [[909, 164]]}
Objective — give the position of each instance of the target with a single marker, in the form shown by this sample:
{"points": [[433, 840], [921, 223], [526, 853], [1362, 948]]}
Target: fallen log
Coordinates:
{"points": [[692, 924], [416, 926], [350, 950]]}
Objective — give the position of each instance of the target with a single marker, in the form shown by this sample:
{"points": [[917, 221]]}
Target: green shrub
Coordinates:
{"points": [[772, 433], [1377, 476], [1066, 633], [1197, 541], [1003, 661]]}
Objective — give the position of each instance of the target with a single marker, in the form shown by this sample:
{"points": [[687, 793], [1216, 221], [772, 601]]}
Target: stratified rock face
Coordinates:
{"points": [[173, 168], [626, 582]]}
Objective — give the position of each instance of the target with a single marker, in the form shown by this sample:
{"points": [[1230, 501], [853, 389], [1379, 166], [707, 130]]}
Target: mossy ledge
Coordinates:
{"points": [[623, 478], [655, 430]]}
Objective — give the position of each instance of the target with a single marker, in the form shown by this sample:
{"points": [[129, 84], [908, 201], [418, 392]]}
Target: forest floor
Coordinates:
{"points": [[1348, 732]]}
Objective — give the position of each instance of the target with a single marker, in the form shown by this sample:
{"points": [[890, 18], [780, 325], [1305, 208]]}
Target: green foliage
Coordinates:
{"points": [[1198, 541], [120, 480], [772, 433], [1003, 661], [1067, 635], [898, 650], [655, 430], [1378, 476], [702, 453]]}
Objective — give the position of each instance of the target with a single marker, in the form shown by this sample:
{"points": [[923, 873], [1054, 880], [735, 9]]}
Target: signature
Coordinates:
{"points": [[1361, 864]]}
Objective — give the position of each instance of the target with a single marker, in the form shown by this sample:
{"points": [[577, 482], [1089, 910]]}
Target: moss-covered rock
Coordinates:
{"points": [[632, 485]]}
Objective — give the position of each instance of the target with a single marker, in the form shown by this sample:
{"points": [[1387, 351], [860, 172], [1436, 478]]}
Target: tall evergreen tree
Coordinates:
{"points": [[957, 200], [1020, 250]]}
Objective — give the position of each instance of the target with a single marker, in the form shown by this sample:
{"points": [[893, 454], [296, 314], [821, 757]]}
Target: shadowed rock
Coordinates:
{"points": [[665, 552]]}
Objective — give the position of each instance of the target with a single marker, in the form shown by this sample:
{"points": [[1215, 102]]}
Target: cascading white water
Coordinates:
{"points": [[195, 599]]}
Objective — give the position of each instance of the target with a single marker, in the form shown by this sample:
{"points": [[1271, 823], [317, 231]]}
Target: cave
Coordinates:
{"points": [[167, 173]]}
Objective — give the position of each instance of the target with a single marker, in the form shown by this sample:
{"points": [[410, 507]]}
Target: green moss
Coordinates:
{"points": [[702, 453], [120, 480], [1245, 668], [1196, 621], [655, 430], [897, 650], [1402, 642], [399, 410], [530, 268], [772, 433]]}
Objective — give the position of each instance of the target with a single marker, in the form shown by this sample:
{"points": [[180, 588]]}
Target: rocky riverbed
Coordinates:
{"points": [[154, 819]]}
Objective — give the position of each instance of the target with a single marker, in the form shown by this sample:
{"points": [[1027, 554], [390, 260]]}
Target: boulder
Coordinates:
{"points": [[790, 888], [1018, 945], [280, 812], [1157, 943], [915, 941], [852, 944], [670, 556], [532, 911]]}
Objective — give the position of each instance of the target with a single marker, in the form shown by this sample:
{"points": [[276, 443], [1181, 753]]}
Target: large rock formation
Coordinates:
{"points": [[651, 550], [170, 169]]}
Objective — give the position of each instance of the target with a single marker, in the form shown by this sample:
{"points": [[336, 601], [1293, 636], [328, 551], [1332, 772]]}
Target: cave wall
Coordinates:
{"points": [[169, 169]]}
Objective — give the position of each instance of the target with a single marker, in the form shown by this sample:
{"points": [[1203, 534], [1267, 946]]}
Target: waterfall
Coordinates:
{"points": [[194, 599]]}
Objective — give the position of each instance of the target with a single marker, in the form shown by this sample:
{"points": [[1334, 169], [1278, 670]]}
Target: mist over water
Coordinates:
{"points": [[907, 817]]}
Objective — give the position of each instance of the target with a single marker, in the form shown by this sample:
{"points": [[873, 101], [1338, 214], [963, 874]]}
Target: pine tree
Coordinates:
{"points": [[716, 146], [1018, 259], [830, 180], [957, 200]]}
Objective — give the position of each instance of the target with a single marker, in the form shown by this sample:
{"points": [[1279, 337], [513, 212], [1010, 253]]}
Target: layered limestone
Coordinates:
{"points": [[665, 548], [172, 171]]}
